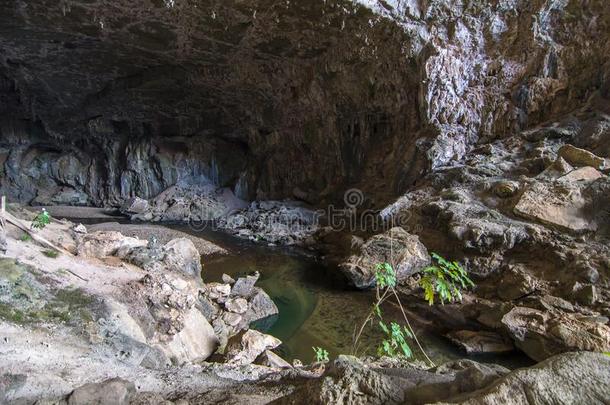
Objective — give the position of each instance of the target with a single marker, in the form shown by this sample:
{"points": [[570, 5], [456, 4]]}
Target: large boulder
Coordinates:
{"points": [[179, 255], [561, 205], [570, 378], [135, 205], [581, 157], [167, 308], [195, 342], [182, 256], [542, 334], [101, 244], [402, 250]]}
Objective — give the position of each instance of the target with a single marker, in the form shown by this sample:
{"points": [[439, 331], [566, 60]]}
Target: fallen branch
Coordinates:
{"points": [[76, 275], [10, 218]]}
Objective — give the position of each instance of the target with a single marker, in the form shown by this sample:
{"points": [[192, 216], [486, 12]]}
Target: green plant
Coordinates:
{"points": [[50, 253], [321, 355], [25, 237], [396, 338], [445, 279], [395, 342], [41, 220]]}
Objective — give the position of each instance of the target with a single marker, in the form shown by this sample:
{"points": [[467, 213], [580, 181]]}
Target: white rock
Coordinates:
{"points": [[245, 347], [196, 342], [237, 305]]}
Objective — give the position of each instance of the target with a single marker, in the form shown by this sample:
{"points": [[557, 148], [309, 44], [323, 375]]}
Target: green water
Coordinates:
{"points": [[316, 307]]}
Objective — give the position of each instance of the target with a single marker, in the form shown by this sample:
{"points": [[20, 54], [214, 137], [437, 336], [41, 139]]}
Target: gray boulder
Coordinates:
{"points": [[570, 378], [560, 205], [182, 256], [353, 381], [135, 205], [402, 250], [542, 334]]}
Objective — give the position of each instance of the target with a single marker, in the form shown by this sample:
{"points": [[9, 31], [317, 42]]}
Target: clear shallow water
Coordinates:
{"points": [[316, 307]]}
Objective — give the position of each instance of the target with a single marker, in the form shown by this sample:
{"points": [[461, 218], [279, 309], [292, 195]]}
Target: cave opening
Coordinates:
{"points": [[270, 100]]}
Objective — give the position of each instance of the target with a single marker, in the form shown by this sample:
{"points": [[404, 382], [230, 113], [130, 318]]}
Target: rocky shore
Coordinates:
{"points": [[117, 319]]}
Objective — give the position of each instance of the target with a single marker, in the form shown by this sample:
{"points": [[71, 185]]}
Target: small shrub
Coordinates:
{"points": [[395, 342], [50, 253], [446, 279], [25, 238], [41, 220], [321, 355], [396, 338]]}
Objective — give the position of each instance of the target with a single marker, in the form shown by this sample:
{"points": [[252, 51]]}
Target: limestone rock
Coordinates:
{"points": [[245, 347], [100, 244], [475, 225], [195, 342], [557, 169], [80, 228], [260, 306], [182, 256], [353, 381], [542, 334], [115, 391], [276, 222], [244, 286], [558, 205], [270, 359], [580, 157], [570, 378], [516, 283], [586, 173], [237, 305], [402, 250], [135, 205]]}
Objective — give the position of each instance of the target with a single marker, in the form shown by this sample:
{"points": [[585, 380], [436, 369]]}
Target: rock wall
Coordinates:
{"points": [[104, 100]]}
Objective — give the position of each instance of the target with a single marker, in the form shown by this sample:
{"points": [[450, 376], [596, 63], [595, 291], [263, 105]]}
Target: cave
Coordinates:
{"points": [[115, 100], [330, 152]]}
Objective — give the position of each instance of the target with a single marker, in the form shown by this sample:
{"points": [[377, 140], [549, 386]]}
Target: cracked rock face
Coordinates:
{"points": [[102, 101]]}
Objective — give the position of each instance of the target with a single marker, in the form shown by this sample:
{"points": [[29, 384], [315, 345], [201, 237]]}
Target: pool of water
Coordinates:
{"points": [[316, 307]]}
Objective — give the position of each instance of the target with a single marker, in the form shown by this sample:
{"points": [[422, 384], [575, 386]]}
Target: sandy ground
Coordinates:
{"points": [[162, 233], [62, 211]]}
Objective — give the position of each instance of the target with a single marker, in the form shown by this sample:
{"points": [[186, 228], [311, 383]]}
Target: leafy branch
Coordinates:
{"points": [[446, 279], [41, 220]]}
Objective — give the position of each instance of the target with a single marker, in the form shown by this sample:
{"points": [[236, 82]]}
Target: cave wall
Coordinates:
{"points": [[104, 100]]}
